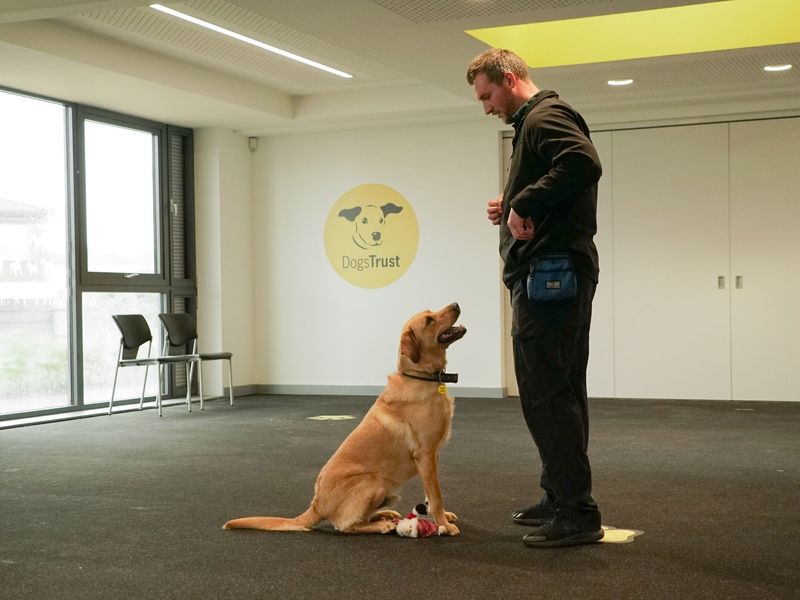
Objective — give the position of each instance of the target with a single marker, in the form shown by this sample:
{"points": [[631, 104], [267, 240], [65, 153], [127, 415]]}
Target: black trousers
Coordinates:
{"points": [[551, 353]]}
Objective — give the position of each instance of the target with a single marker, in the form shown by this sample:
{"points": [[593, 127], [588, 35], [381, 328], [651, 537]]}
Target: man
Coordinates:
{"points": [[548, 217]]}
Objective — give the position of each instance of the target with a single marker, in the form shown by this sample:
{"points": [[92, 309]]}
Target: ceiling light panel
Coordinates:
{"points": [[147, 27], [252, 41], [650, 33], [425, 11]]}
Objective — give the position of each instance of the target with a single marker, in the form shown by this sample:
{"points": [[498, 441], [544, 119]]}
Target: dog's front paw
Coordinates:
{"points": [[451, 517], [448, 529]]}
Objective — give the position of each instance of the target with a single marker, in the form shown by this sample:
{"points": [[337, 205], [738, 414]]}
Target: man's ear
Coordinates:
{"points": [[409, 345]]}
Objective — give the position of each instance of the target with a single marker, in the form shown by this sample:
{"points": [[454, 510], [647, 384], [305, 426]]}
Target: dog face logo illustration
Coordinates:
{"points": [[369, 222], [371, 235]]}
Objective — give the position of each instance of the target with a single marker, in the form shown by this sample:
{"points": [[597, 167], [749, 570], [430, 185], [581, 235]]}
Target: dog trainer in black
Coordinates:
{"points": [[548, 217]]}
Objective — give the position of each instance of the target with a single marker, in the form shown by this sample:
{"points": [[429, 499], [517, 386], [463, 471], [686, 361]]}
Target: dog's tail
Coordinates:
{"points": [[303, 522]]}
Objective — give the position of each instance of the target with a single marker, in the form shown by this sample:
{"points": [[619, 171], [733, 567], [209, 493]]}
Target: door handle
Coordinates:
{"points": [[739, 282], [721, 282]]}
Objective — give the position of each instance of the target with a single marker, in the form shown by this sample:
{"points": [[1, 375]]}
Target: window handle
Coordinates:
{"points": [[131, 275]]}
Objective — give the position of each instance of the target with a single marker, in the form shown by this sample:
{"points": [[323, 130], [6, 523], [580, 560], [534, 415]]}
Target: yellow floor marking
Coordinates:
{"points": [[619, 536], [331, 418]]}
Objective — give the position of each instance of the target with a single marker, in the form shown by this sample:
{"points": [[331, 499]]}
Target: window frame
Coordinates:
{"points": [[174, 291], [152, 281]]}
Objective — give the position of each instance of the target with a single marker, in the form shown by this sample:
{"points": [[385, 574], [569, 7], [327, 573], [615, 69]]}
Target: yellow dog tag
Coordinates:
{"points": [[442, 388]]}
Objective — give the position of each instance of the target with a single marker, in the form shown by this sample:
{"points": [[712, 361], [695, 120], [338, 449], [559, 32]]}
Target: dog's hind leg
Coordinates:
{"points": [[385, 513], [358, 512]]}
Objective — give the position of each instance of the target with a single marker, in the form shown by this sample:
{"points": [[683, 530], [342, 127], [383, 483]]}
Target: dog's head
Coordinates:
{"points": [[426, 337], [369, 221]]}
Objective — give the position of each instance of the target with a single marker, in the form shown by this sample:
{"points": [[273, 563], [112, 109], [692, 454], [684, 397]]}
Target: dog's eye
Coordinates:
{"points": [[381, 221], [364, 220], [428, 321]]}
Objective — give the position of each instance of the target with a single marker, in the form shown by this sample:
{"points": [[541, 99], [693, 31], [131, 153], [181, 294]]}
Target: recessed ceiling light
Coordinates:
{"points": [[773, 68], [249, 40], [619, 82]]}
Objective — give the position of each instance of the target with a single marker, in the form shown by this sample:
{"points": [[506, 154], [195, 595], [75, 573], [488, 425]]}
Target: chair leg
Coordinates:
{"points": [[188, 369], [188, 397], [158, 391], [230, 379], [113, 389], [144, 385], [191, 366], [200, 381]]}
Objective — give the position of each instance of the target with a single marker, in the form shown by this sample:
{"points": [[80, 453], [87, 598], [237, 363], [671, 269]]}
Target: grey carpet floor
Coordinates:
{"points": [[131, 506]]}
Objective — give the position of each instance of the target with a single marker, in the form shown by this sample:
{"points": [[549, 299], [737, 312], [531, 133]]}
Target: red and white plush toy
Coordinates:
{"points": [[414, 527]]}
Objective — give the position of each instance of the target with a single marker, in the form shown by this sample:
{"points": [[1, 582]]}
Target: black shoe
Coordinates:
{"points": [[534, 516], [559, 533]]}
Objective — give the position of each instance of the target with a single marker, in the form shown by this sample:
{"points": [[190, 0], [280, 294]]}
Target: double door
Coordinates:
{"points": [[705, 252]]}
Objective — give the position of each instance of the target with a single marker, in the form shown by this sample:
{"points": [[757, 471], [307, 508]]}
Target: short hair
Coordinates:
{"points": [[493, 63]]}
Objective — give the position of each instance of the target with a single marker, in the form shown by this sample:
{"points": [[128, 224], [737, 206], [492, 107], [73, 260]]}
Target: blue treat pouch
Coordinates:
{"points": [[552, 277]]}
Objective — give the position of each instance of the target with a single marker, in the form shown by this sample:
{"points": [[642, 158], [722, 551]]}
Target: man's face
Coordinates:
{"points": [[497, 99]]}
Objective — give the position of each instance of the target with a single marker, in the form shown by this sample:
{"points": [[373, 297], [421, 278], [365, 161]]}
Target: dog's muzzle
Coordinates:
{"points": [[451, 335]]}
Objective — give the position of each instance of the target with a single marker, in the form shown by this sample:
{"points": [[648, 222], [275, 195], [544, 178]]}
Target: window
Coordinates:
{"points": [[101, 343], [34, 284], [122, 221], [96, 218]]}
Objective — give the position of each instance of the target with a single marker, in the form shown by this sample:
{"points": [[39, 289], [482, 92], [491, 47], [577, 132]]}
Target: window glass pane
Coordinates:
{"points": [[121, 199], [34, 340], [101, 345]]}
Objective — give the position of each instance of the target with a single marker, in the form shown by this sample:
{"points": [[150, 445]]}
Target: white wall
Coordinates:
{"points": [[312, 328], [269, 294], [224, 210]]}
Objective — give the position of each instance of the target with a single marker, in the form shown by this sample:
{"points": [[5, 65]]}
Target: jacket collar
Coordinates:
{"points": [[518, 117]]}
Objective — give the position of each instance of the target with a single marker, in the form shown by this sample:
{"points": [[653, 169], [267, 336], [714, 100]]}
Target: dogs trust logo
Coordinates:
{"points": [[371, 235]]}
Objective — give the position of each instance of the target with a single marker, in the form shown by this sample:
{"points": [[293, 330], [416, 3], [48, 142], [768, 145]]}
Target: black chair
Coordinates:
{"points": [[181, 330], [135, 332]]}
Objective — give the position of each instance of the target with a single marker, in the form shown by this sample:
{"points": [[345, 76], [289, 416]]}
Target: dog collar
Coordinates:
{"points": [[438, 376]]}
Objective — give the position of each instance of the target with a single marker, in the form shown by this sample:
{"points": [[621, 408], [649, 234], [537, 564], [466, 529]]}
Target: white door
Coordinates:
{"points": [[670, 257], [600, 374], [765, 251]]}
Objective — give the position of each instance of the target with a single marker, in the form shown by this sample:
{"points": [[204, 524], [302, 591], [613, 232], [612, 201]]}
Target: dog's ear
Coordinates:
{"points": [[390, 208], [409, 345], [350, 213]]}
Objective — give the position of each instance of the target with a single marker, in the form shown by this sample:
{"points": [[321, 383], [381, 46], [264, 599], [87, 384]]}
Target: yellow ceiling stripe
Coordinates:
{"points": [[660, 32]]}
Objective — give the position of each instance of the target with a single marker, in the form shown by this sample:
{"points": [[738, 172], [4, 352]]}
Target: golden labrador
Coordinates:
{"points": [[399, 437]]}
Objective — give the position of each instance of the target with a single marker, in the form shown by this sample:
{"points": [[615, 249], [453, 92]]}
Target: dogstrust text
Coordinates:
{"points": [[371, 235]]}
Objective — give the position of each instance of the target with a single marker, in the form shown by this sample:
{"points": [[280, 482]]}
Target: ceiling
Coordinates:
{"points": [[407, 57]]}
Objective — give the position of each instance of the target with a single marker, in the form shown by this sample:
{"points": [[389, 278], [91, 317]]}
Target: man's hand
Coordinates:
{"points": [[521, 229], [494, 211]]}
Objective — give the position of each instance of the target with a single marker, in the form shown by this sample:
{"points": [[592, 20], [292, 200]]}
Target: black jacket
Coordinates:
{"points": [[552, 178]]}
